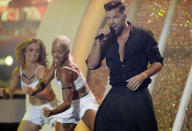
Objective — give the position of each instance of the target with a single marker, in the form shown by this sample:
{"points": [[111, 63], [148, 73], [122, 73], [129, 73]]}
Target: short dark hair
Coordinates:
{"points": [[113, 5]]}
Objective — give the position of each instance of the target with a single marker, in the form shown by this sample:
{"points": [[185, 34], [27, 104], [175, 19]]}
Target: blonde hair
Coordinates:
{"points": [[21, 48]]}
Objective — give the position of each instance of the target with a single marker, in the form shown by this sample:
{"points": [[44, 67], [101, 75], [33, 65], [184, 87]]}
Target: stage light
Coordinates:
{"points": [[4, 2], [9, 60]]}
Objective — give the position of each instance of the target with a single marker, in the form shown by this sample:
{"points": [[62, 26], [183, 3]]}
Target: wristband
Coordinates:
{"points": [[68, 87], [40, 86]]}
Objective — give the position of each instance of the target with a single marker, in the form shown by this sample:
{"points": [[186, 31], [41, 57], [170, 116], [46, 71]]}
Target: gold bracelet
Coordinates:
{"points": [[6, 93], [145, 75]]}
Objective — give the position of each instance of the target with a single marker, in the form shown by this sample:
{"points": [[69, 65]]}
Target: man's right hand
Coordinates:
{"points": [[106, 32]]}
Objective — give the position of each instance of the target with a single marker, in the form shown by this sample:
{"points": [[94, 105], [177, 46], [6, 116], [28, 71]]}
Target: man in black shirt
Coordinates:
{"points": [[128, 105]]}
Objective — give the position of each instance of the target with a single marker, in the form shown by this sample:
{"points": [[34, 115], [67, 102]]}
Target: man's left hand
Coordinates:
{"points": [[134, 82]]}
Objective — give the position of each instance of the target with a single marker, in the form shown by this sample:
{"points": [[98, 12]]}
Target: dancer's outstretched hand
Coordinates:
{"points": [[3, 92], [28, 90]]}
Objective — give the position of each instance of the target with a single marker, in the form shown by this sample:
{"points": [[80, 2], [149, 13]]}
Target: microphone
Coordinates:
{"points": [[100, 36]]}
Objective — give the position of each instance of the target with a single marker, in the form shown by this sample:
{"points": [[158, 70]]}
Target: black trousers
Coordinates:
{"points": [[124, 110]]}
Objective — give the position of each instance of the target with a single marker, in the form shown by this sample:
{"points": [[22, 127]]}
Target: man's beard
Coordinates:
{"points": [[120, 30], [115, 33]]}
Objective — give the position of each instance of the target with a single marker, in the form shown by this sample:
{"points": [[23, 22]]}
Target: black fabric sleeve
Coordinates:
{"points": [[152, 49]]}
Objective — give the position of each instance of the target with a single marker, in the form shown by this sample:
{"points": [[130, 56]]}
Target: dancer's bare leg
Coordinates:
{"points": [[28, 126], [65, 126], [89, 118]]}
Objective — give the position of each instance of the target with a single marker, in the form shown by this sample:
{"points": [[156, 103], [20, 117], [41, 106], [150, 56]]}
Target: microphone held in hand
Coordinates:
{"points": [[100, 36]]}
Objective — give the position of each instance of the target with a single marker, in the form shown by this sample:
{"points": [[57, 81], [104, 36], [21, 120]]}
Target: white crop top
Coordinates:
{"points": [[79, 82], [34, 83]]}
